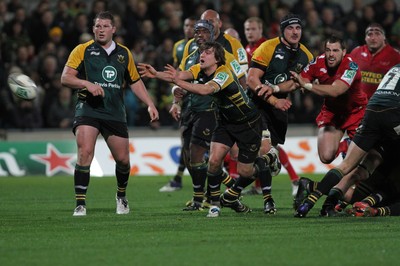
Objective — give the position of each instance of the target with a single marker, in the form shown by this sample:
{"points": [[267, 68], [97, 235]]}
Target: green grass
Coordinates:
{"points": [[37, 228]]}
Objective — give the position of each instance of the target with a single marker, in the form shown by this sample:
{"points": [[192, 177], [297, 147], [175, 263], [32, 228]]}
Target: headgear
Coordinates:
{"points": [[289, 20], [203, 23]]}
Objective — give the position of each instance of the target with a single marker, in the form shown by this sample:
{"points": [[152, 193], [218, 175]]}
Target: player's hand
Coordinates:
{"points": [[146, 70], [175, 111], [283, 104], [153, 112], [171, 72], [94, 89], [297, 79], [263, 91]]}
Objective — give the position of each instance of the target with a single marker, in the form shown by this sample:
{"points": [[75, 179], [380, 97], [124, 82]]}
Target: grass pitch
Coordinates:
{"points": [[37, 228]]}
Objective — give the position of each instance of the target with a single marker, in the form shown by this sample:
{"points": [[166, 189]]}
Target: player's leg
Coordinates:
{"points": [[363, 171], [117, 139], [328, 143], [248, 140], [332, 177], [200, 133], [215, 174], [197, 168], [86, 140], [230, 162], [230, 198]]}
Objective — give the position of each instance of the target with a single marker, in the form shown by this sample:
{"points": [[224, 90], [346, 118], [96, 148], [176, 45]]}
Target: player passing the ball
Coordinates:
{"points": [[240, 121]]}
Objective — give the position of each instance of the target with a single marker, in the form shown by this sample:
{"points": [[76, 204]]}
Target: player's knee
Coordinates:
{"points": [[124, 162], [85, 156], [214, 164], [326, 158], [246, 171]]}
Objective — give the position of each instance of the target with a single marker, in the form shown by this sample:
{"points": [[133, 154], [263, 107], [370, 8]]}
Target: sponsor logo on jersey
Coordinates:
{"points": [[348, 76], [371, 77], [221, 78], [109, 73], [242, 55], [236, 67], [279, 56], [280, 78], [94, 53], [353, 66]]}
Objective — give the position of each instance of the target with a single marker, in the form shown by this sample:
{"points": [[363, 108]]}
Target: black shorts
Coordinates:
{"points": [[106, 127], [247, 136], [276, 121], [198, 127], [380, 124]]}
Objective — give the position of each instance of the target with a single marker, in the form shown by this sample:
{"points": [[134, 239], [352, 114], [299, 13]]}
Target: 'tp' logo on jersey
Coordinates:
{"points": [[109, 73]]}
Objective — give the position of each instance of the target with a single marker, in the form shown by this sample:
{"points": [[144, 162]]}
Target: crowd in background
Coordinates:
{"points": [[37, 42]]}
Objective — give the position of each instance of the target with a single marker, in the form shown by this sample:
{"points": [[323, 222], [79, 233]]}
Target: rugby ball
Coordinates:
{"points": [[22, 86]]}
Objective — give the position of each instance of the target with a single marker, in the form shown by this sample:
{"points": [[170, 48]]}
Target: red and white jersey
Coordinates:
{"points": [[250, 48], [348, 72], [374, 67]]}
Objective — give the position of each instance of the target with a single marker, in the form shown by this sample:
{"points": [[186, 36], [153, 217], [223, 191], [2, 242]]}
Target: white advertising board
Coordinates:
{"points": [[160, 156]]}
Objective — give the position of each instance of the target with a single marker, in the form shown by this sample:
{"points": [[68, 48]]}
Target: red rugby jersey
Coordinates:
{"points": [[348, 72], [374, 67]]}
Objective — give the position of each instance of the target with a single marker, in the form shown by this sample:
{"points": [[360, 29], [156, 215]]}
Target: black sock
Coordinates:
{"points": [[329, 181], [214, 187], [198, 173], [265, 178], [227, 180], [313, 186], [333, 198], [234, 192], [313, 197], [374, 199], [392, 210], [122, 174], [81, 183]]}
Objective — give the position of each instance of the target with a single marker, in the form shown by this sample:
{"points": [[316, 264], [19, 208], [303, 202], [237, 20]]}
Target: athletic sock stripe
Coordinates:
{"points": [[313, 198]]}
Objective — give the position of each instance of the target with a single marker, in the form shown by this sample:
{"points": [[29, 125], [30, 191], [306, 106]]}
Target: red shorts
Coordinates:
{"points": [[346, 122]]}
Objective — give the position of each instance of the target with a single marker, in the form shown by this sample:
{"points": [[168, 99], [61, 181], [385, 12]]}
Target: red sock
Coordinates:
{"points": [[231, 166], [343, 146], [284, 158]]}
